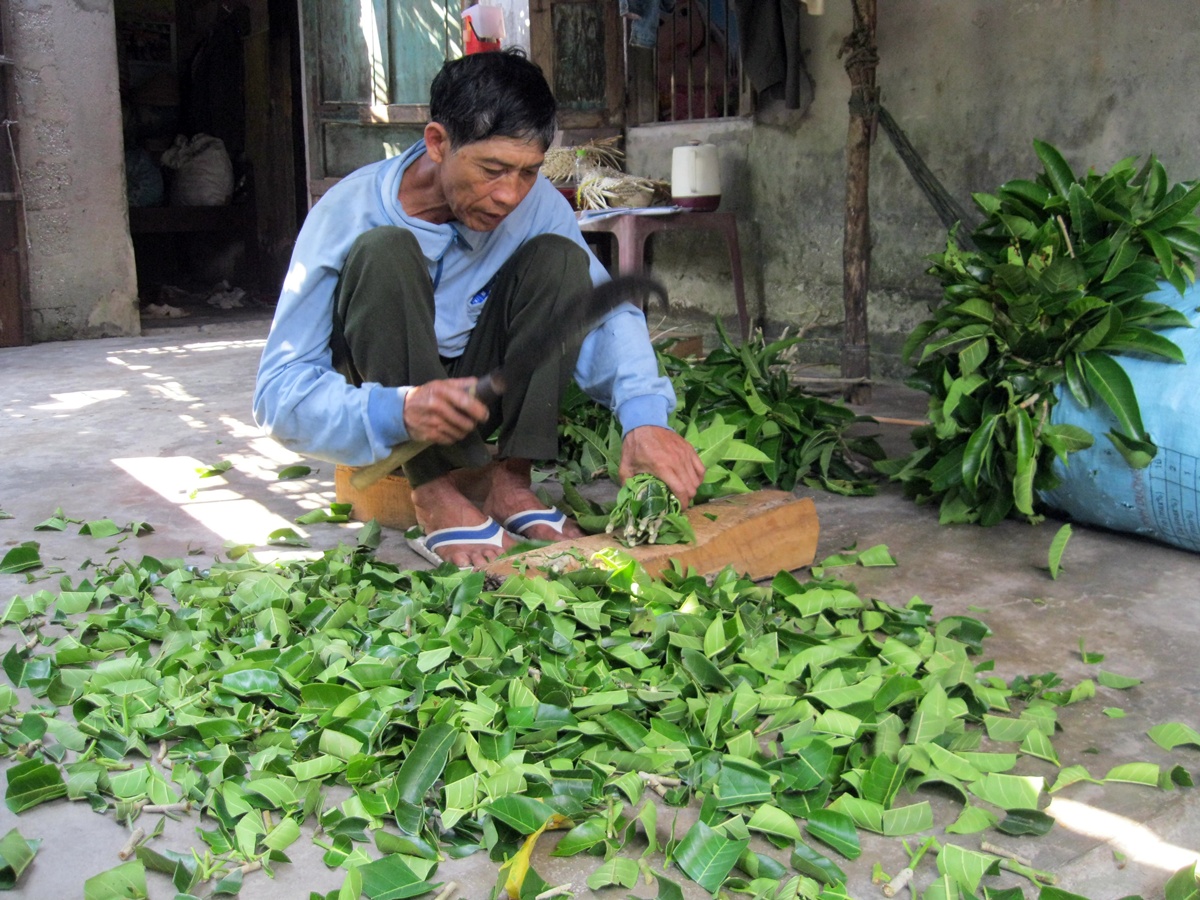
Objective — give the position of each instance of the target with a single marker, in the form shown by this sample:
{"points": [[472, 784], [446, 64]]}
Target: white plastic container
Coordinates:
{"points": [[696, 177], [488, 21]]}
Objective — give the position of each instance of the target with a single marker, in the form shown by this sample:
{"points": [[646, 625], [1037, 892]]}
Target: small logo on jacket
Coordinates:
{"points": [[475, 304]]}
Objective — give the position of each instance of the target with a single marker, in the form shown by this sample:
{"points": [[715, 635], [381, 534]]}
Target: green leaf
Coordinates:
{"points": [[1134, 773], [1182, 885], [708, 856], [100, 528], [836, 830], [20, 559], [904, 820], [1037, 744], [15, 854], [1147, 343], [967, 867], [1025, 821], [1137, 454], [618, 870], [292, 472], [1057, 170], [808, 861], [1026, 463], [1174, 734], [972, 820], [425, 762], [31, 783], [286, 537], [978, 452], [216, 469], [586, 835], [773, 821], [126, 882], [390, 878], [1009, 792], [1118, 682], [1058, 546], [524, 814], [1105, 376]]}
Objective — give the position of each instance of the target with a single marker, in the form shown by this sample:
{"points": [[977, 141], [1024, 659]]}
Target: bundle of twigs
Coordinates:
{"points": [[594, 169]]}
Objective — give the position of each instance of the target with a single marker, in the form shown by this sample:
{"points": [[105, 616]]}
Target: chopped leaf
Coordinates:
{"points": [[126, 881], [20, 559], [15, 854], [1026, 821], [1174, 734], [1058, 546], [286, 537], [1118, 682], [100, 528]]}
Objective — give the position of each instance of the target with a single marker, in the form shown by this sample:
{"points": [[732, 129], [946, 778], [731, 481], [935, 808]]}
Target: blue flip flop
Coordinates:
{"points": [[488, 532], [521, 522]]}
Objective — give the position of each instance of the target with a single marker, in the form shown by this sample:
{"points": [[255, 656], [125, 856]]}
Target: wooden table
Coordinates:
{"points": [[632, 230]]}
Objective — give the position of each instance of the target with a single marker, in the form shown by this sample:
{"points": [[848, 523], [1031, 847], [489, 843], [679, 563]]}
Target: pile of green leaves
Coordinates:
{"points": [[1056, 284], [429, 716], [752, 426]]}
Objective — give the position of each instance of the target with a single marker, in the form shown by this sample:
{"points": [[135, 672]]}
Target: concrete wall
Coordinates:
{"points": [[82, 277], [972, 83]]}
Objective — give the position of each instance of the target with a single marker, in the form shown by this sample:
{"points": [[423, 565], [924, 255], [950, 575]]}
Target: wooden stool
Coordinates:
{"points": [[631, 231], [388, 501]]}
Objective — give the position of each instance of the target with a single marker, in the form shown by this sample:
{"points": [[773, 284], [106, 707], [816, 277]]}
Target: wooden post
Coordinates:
{"points": [[861, 59]]}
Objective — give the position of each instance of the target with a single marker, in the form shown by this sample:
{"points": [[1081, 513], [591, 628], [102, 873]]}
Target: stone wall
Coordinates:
{"points": [[82, 276], [972, 83]]}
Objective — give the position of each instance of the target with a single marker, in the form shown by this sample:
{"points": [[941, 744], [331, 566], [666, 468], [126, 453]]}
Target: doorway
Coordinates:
{"points": [[210, 94]]}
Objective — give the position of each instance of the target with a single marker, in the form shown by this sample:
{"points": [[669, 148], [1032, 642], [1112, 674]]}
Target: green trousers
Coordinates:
{"points": [[383, 331]]}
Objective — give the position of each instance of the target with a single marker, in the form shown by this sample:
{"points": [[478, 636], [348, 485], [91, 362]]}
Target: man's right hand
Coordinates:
{"points": [[444, 411]]}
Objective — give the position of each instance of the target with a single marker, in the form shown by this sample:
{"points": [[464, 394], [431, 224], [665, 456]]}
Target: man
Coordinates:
{"points": [[414, 276]]}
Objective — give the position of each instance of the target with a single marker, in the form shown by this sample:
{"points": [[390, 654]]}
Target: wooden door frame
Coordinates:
{"points": [[14, 264]]}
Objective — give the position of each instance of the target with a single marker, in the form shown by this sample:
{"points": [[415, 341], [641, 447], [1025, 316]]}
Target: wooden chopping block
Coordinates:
{"points": [[759, 534]]}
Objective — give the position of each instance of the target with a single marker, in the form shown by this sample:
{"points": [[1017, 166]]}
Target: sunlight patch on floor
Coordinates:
{"points": [[210, 501], [1138, 843]]}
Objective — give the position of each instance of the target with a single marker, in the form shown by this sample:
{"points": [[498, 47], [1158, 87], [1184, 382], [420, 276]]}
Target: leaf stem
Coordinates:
{"points": [[132, 844], [1007, 854], [897, 884], [1037, 876]]}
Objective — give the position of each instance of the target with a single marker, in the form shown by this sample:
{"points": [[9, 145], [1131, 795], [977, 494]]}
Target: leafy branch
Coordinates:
{"points": [[1056, 287]]}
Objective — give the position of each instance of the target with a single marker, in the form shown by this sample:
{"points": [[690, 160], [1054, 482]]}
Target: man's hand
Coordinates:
{"points": [[444, 411], [664, 454]]}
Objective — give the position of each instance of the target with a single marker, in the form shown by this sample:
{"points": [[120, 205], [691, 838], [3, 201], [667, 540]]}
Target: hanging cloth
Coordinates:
{"points": [[644, 16], [771, 54]]}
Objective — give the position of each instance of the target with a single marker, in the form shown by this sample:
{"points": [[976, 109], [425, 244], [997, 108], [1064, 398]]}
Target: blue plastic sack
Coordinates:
{"points": [[1161, 501]]}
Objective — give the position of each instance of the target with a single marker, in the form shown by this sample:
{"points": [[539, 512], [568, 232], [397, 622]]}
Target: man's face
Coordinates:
{"points": [[483, 182]]}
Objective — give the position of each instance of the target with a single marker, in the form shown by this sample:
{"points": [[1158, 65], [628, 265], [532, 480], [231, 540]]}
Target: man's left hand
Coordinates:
{"points": [[666, 455]]}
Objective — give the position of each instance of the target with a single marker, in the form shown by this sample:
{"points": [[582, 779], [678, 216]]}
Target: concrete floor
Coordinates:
{"points": [[116, 429]]}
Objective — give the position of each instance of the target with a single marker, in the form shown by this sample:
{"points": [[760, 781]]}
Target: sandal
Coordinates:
{"points": [[520, 523], [484, 533]]}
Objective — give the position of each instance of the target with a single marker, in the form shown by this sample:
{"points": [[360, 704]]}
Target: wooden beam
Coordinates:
{"points": [[861, 59], [759, 534]]}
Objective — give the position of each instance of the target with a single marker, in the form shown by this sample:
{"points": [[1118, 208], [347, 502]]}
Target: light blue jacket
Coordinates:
{"points": [[305, 404]]}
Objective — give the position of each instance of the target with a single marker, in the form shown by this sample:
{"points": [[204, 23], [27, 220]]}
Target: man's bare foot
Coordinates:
{"points": [[439, 505], [510, 492]]}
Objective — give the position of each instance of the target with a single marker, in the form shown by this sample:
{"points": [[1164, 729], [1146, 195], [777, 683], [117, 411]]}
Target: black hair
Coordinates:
{"points": [[497, 93]]}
